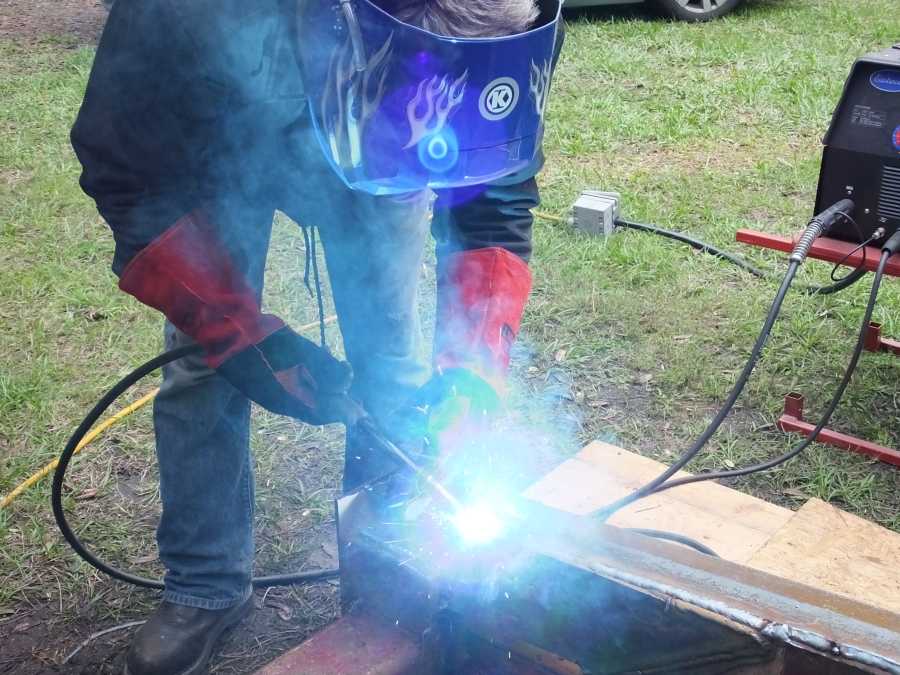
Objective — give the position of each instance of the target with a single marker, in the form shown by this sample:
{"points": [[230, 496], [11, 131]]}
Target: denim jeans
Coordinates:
{"points": [[373, 249]]}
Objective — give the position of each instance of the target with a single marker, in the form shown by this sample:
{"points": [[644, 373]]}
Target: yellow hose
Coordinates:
{"points": [[89, 438], [543, 215], [92, 435]]}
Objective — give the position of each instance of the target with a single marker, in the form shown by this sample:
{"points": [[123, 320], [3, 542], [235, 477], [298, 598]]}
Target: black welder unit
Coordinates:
{"points": [[862, 148]]}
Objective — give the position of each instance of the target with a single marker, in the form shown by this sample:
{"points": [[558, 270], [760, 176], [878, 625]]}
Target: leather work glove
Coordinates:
{"points": [[188, 275], [481, 299]]}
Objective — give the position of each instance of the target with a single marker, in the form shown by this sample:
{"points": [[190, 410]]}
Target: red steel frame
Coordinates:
{"points": [[792, 420], [839, 252], [824, 248]]}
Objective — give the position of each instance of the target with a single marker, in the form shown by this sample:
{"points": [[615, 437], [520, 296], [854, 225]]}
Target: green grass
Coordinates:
{"points": [[707, 129], [703, 128]]}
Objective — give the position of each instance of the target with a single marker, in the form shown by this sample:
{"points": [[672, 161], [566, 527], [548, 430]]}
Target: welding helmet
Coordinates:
{"points": [[399, 109]]}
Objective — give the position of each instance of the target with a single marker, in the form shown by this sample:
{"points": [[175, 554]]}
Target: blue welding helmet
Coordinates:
{"points": [[399, 109]]}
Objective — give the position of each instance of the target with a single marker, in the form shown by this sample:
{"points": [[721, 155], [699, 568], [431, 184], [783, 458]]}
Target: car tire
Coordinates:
{"points": [[697, 10]]}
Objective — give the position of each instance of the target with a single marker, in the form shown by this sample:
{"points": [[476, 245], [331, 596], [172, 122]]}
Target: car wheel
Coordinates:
{"points": [[697, 10]]}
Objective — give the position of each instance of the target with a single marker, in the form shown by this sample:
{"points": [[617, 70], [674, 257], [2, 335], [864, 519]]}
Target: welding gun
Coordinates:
{"points": [[380, 442]]}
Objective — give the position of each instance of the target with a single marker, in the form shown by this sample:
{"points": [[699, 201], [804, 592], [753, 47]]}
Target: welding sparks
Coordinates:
{"points": [[478, 524]]}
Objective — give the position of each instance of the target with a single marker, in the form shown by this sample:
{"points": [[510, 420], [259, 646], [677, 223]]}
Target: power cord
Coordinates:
{"points": [[695, 244], [839, 284]]}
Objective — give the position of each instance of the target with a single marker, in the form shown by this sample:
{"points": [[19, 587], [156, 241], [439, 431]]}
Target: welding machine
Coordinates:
{"points": [[861, 160]]}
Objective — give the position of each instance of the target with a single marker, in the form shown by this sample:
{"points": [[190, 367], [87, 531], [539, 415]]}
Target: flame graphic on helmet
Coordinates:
{"points": [[351, 99], [440, 97], [539, 85]]}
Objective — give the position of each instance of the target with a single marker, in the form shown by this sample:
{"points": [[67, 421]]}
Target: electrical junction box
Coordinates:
{"points": [[596, 212]]}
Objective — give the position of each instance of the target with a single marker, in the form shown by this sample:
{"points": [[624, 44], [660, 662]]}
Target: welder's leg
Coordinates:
{"points": [[374, 249], [205, 535]]}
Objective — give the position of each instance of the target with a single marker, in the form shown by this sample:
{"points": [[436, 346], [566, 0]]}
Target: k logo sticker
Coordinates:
{"points": [[499, 98]]}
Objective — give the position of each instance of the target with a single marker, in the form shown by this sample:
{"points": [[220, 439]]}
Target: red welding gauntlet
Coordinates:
{"points": [[481, 298], [188, 275]]}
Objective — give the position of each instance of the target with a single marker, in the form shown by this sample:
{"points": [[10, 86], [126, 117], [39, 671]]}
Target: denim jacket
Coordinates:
{"points": [[190, 101]]}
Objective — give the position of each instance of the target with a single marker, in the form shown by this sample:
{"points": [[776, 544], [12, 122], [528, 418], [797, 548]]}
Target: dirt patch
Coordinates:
{"points": [[91, 633], [79, 21], [41, 641], [13, 178]]}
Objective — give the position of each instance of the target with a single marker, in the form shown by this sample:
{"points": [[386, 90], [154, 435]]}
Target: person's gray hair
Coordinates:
{"points": [[465, 18]]}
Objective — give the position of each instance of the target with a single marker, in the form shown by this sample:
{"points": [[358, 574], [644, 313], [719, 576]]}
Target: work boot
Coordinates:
{"points": [[179, 640]]}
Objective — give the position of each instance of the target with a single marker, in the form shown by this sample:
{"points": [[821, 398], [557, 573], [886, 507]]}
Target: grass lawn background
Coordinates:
{"points": [[702, 128]]}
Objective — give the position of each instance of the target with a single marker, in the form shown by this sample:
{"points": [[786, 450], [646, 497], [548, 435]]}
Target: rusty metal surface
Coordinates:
{"points": [[354, 645], [606, 600], [776, 609]]}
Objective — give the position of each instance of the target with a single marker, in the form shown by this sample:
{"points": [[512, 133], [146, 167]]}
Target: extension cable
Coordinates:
{"points": [[816, 228], [598, 213]]}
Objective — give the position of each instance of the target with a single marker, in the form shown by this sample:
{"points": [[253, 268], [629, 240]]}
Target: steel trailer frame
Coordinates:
{"points": [[844, 253]]}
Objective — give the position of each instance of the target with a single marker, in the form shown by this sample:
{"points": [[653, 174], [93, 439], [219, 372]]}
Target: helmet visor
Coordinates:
{"points": [[398, 109]]}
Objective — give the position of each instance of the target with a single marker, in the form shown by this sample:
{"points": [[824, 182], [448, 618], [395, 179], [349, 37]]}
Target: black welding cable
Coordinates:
{"points": [[694, 243], [59, 479], [677, 538], [819, 224], [857, 273], [723, 412], [826, 417], [838, 285]]}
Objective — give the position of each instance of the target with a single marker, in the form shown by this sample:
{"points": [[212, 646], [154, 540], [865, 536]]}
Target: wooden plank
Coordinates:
{"points": [[733, 524], [831, 549]]}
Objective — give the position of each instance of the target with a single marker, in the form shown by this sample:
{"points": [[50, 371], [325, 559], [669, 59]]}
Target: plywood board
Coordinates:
{"points": [[831, 549], [733, 524]]}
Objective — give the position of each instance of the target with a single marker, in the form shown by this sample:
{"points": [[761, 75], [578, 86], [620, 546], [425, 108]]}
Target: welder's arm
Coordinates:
{"points": [[147, 132], [483, 283], [188, 275], [484, 280], [147, 125], [483, 275]]}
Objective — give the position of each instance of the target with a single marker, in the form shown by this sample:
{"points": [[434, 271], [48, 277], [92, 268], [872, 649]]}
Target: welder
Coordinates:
{"points": [[358, 118]]}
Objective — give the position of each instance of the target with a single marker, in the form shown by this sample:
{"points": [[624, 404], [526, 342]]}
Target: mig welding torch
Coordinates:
{"points": [[360, 421]]}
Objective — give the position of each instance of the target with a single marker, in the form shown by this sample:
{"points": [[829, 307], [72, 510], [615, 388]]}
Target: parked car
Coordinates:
{"points": [[686, 10]]}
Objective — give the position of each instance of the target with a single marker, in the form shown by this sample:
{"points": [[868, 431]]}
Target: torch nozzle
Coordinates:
{"points": [[386, 445]]}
